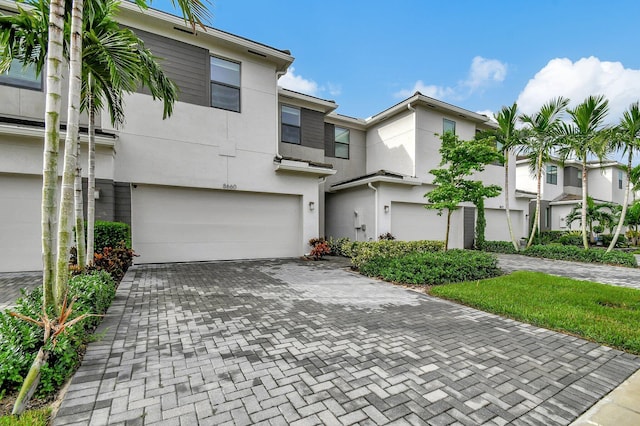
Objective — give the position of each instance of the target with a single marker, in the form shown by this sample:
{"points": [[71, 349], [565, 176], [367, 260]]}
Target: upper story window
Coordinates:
{"points": [[552, 174], [225, 84], [21, 76], [290, 124], [341, 146], [448, 126], [620, 179]]}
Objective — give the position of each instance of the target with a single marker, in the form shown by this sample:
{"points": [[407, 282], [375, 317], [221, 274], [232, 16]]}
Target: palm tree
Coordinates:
{"points": [[508, 139], [115, 62], [543, 129], [626, 136], [603, 213], [582, 138], [55, 264]]}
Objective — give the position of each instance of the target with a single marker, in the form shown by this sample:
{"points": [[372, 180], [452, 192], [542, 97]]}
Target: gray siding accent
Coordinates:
{"points": [[469, 226], [122, 205], [312, 128], [329, 140], [114, 204], [104, 204], [187, 65], [572, 177]]}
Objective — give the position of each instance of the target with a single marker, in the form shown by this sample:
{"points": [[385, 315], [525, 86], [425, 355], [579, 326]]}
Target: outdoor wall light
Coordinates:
{"points": [[312, 205], [96, 194], [386, 209]]}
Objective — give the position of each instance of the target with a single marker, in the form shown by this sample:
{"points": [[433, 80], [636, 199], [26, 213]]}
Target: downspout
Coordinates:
{"points": [[415, 121], [375, 211], [278, 75]]}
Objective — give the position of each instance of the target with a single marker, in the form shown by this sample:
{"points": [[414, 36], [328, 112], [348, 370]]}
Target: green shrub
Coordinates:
{"points": [[433, 267], [498, 247], [20, 341], [549, 237], [607, 238], [336, 245], [362, 251], [578, 254], [571, 239], [110, 234]]}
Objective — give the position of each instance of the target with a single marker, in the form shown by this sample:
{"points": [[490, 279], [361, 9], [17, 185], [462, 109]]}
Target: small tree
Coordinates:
{"points": [[462, 159]]}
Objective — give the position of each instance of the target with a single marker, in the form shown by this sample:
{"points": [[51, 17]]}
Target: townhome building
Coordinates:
{"points": [[243, 168], [561, 188]]}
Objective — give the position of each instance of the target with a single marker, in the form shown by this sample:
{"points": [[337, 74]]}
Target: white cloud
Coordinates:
{"points": [[580, 79], [297, 83], [482, 73], [432, 91], [488, 113]]}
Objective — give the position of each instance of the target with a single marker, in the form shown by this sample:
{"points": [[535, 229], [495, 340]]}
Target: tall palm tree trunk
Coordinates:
{"points": [[583, 212], [625, 203], [91, 180], [81, 252], [70, 153], [507, 209], [51, 147], [536, 216]]}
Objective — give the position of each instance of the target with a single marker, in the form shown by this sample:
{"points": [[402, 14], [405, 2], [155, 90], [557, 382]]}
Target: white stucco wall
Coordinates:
{"points": [[391, 145], [342, 221]]}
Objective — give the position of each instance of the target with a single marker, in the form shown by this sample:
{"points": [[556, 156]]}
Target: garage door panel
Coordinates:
{"points": [[497, 228], [414, 222], [20, 210], [183, 224]]}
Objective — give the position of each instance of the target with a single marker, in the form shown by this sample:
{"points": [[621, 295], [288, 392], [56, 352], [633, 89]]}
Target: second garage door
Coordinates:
{"points": [[183, 224]]}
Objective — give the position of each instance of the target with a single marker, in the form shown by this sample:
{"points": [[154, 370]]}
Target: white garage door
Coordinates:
{"points": [[20, 203], [410, 222], [497, 228], [183, 224]]}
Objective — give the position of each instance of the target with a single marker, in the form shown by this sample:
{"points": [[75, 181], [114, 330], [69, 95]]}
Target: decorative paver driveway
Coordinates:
{"points": [[293, 342], [12, 282]]}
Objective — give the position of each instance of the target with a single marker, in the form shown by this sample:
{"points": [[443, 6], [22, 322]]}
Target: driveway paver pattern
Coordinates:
{"points": [[294, 342], [12, 282]]}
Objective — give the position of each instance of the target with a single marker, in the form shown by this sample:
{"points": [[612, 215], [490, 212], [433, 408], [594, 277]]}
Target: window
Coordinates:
{"points": [[290, 124], [448, 126], [552, 174], [341, 148], [620, 179], [225, 84], [21, 76]]}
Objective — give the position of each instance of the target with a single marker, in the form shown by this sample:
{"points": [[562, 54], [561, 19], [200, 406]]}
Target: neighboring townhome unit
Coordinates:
{"points": [[561, 188], [383, 190]]}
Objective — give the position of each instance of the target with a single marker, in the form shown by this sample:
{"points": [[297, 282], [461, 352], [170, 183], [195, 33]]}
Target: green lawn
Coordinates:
{"points": [[601, 313], [38, 417]]}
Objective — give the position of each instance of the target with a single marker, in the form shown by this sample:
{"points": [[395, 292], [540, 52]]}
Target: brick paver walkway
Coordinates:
{"points": [[292, 342]]}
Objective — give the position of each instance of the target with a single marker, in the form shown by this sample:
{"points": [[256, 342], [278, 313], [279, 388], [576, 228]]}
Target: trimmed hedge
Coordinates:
{"points": [[111, 234], [20, 340], [566, 252], [361, 252], [578, 254], [433, 267], [498, 247]]}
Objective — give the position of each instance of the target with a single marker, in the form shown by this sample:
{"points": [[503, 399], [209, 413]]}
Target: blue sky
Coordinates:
{"points": [[368, 55]]}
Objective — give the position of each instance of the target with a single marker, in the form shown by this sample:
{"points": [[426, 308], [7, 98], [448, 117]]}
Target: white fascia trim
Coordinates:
{"points": [[39, 133], [303, 167], [519, 194], [378, 179], [564, 203]]}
